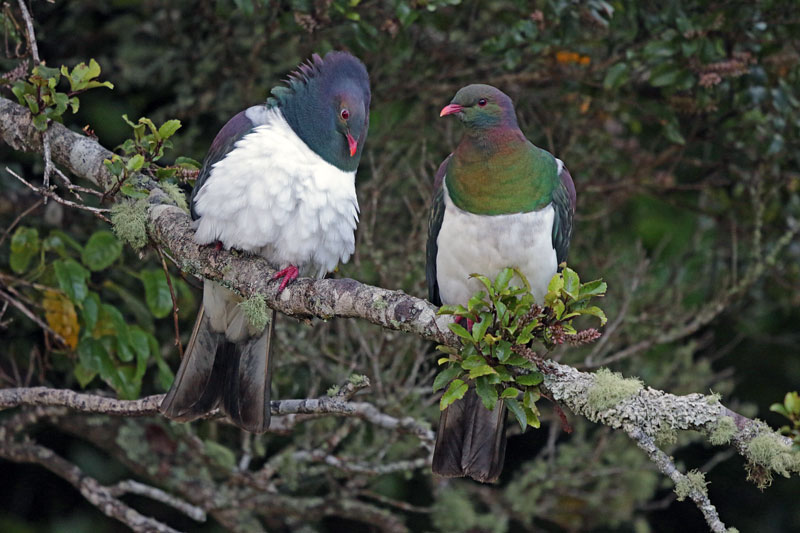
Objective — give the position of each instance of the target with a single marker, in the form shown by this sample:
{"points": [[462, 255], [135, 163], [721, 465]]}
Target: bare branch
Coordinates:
{"points": [[47, 193], [98, 495], [134, 487]]}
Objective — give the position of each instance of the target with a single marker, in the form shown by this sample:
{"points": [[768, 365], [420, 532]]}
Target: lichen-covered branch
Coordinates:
{"points": [[148, 406]]}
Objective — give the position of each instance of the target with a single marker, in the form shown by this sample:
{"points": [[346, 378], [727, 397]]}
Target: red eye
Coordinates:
{"points": [[345, 114], [482, 102]]}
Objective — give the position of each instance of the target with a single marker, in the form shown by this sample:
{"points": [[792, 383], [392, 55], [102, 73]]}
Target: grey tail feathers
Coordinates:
{"points": [[471, 440], [215, 372]]}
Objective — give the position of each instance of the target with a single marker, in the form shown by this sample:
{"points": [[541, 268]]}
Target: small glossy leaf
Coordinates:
{"points": [[529, 380], [135, 163], [479, 329], [483, 370], [510, 392], [72, 278], [572, 283], [445, 376], [101, 250], [24, 247], [473, 361], [502, 351], [518, 411], [595, 311], [486, 392], [502, 279], [187, 162], [460, 330], [169, 128], [156, 292], [454, 392]]}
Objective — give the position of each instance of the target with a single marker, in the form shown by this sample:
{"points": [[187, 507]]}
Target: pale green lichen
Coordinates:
{"points": [[723, 432], [713, 398], [769, 451], [610, 388], [333, 390], [176, 195], [257, 313], [129, 220], [694, 480], [731, 530], [666, 436], [359, 380]]}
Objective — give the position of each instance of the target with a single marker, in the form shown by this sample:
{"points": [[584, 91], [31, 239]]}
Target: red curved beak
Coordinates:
{"points": [[451, 109], [352, 143]]}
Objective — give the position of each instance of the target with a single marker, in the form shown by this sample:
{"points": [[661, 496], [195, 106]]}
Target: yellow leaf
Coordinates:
{"points": [[61, 316]]}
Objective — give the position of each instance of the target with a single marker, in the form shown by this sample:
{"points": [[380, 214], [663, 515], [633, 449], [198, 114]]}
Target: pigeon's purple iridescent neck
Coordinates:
{"points": [[326, 100]]}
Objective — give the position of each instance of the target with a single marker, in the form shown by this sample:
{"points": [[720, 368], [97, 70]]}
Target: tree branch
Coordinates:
{"points": [[98, 495]]}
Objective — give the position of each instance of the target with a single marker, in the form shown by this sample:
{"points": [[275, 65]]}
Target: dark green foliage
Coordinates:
{"points": [[497, 351]]}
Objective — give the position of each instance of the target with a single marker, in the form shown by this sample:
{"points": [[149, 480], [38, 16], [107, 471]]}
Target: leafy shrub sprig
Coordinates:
{"points": [[790, 408], [40, 93], [497, 352]]}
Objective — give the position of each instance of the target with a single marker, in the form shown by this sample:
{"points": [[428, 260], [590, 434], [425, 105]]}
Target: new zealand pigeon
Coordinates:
{"points": [[499, 202], [278, 181]]}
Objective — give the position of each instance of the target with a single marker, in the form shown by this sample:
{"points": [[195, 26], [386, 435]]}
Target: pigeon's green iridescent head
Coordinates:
{"points": [[482, 107]]}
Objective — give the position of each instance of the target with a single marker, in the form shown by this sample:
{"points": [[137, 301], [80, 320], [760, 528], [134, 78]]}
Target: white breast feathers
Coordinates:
{"points": [[272, 195], [486, 244]]}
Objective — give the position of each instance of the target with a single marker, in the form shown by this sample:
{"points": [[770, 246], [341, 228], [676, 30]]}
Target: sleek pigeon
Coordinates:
{"points": [[499, 202], [278, 181]]}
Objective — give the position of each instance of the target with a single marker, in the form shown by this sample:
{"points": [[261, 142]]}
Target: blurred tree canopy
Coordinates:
{"points": [[680, 123]]}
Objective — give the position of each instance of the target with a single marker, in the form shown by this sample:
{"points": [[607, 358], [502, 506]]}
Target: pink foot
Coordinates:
{"points": [[468, 321], [217, 246], [288, 274]]}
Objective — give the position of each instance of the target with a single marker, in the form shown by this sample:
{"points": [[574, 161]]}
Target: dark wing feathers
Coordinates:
{"points": [[564, 204], [434, 225], [236, 128]]}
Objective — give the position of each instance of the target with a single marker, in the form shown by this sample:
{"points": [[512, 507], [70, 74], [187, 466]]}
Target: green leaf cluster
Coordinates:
{"points": [[140, 154], [40, 93], [496, 354], [106, 344], [790, 408]]}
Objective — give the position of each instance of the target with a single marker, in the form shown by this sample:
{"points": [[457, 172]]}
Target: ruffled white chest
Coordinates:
{"points": [[486, 244], [272, 195]]}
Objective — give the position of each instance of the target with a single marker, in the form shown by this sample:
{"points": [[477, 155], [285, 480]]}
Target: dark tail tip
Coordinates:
{"points": [[471, 440]]}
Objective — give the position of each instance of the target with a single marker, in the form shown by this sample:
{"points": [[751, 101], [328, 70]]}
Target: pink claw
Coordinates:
{"points": [[460, 320], [288, 274]]}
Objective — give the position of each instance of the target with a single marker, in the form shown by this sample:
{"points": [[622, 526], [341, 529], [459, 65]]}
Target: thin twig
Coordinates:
{"points": [[96, 211], [134, 487], [30, 314], [98, 495], [174, 302], [31, 35]]}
